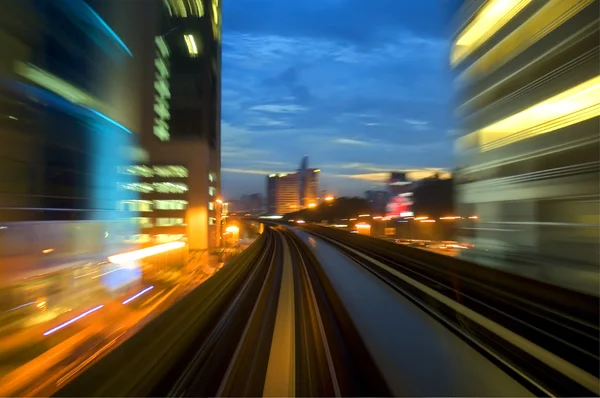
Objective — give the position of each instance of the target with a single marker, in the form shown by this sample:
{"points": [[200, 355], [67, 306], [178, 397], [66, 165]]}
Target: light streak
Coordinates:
{"points": [[137, 295], [143, 253], [72, 320]]}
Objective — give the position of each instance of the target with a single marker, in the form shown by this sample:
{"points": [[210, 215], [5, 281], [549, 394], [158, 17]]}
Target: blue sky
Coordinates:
{"points": [[363, 87]]}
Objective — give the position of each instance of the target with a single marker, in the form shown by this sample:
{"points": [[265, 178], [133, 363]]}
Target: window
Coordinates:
{"points": [[169, 187], [143, 222], [212, 221], [211, 205], [138, 187], [137, 205], [212, 177], [212, 191], [169, 222], [171, 171], [170, 204]]}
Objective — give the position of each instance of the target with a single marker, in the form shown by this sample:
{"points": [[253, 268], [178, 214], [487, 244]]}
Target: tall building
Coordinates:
{"points": [[304, 183], [283, 193], [529, 93], [63, 138], [377, 199], [308, 184], [182, 140]]}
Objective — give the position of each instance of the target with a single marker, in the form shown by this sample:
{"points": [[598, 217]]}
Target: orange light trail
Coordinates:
{"points": [[143, 253]]}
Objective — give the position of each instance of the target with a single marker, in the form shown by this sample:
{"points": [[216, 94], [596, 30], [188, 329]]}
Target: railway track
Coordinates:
{"points": [[285, 334], [550, 351]]}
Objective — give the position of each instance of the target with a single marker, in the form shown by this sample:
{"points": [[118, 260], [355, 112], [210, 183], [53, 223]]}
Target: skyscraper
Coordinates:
{"points": [[308, 184], [63, 136], [183, 138], [282, 193], [529, 89]]}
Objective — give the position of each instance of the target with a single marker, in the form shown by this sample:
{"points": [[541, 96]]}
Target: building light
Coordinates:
{"points": [[161, 45], [163, 92], [191, 45], [574, 105], [317, 170], [493, 16]]}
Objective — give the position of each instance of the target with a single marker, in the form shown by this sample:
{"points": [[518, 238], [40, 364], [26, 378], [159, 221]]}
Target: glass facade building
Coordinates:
{"points": [[528, 81]]}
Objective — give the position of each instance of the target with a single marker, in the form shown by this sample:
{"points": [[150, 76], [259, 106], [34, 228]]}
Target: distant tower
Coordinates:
{"points": [[302, 181]]}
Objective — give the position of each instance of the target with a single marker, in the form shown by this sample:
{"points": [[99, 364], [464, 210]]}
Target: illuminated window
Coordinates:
{"points": [[137, 205], [170, 204], [138, 187], [169, 222], [211, 205], [212, 221], [169, 187], [212, 191], [140, 171], [162, 90], [216, 20], [574, 105], [185, 8], [171, 171], [494, 15], [191, 45], [143, 222], [212, 177]]}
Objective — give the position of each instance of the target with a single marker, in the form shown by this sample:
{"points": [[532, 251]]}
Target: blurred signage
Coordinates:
{"points": [[400, 195]]}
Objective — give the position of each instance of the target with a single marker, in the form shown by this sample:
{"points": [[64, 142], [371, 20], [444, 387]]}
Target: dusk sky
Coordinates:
{"points": [[362, 87]]}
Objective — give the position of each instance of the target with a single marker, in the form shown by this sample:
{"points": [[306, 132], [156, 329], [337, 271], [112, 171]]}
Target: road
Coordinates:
{"points": [[38, 360], [307, 312]]}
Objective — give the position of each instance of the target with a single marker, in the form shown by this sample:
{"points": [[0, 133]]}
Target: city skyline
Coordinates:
{"points": [[361, 102]]}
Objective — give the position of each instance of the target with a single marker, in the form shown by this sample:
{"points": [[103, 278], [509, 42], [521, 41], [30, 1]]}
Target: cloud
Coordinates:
{"points": [[413, 122], [298, 76], [244, 171], [349, 141], [278, 108]]}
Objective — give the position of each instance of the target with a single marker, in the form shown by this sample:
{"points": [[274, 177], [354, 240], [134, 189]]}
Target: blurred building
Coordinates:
{"points": [[252, 204], [181, 134], [283, 193], [304, 182], [67, 127], [377, 199], [528, 81], [308, 184]]}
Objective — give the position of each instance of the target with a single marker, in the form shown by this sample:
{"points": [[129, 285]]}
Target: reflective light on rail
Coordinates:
{"points": [[143, 253], [137, 295], [78, 317]]}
